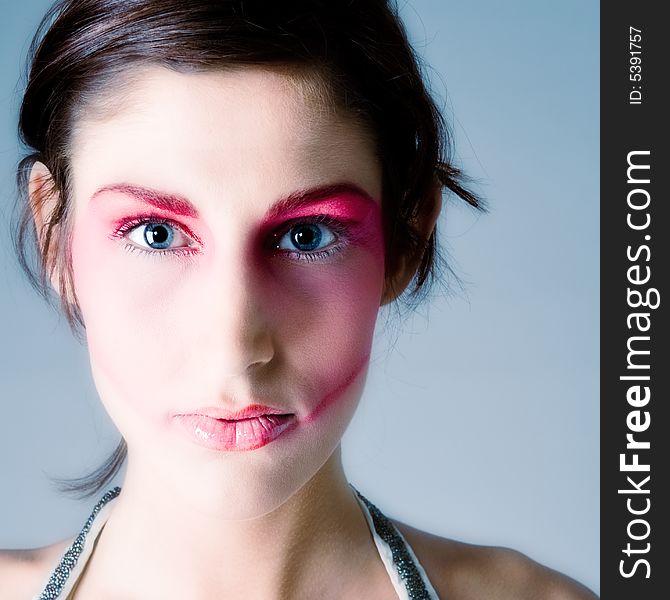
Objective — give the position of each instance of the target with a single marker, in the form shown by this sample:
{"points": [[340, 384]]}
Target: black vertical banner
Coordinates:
{"points": [[635, 260]]}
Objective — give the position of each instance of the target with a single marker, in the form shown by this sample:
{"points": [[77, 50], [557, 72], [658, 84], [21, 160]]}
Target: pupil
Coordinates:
{"points": [[159, 234], [306, 237]]}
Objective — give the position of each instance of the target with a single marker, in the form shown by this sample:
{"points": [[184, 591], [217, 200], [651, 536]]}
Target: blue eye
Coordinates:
{"points": [[157, 236], [306, 237]]}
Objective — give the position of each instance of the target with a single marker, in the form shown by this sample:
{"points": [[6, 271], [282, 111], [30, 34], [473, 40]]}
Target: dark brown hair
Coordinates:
{"points": [[357, 48]]}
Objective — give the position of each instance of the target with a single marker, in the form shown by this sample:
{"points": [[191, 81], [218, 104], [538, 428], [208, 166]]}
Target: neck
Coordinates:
{"points": [[165, 549]]}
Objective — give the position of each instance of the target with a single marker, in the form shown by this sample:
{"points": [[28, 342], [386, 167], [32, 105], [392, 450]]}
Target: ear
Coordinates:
{"points": [[43, 199], [424, 225]]}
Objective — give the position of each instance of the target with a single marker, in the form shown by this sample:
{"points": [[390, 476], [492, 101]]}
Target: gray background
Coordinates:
{"points": [[503, 374]]}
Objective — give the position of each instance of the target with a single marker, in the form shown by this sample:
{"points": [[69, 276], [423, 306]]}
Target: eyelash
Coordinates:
{"points": [[336, 226]]}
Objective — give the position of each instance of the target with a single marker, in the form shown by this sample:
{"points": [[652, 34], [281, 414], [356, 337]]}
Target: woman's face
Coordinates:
{"points": [[227, 251]]}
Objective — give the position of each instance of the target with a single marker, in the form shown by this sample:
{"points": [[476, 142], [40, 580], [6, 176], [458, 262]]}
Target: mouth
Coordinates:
{"points": [[252, 427]]}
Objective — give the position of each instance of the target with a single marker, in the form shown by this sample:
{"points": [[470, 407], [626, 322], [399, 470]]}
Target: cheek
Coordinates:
{"points": [[125, 308], [327, 315]]}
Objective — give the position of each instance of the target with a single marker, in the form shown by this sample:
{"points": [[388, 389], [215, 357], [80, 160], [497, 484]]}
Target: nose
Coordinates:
{"points": [[236, 316]]}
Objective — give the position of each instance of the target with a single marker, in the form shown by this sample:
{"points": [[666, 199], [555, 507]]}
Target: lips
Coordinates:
{"points": [[247, 429], [252, 410]]}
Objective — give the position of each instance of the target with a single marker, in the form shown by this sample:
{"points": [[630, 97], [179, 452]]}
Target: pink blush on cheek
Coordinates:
{"points": [[97, 283], [336, 302], [114, 299], [337, 312]]}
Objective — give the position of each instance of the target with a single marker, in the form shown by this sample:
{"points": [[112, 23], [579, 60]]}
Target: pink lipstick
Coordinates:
{"points": [[252, 427]]}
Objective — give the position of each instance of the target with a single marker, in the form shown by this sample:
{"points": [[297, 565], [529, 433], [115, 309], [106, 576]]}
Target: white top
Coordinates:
{"points": [[408, 577]]}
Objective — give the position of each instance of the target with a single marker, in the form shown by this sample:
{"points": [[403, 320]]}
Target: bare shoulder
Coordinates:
{"points": [[22, 572], [460, 571]]}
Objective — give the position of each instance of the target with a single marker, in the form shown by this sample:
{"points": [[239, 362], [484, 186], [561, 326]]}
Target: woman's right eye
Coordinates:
{"points": [[156, 235]]}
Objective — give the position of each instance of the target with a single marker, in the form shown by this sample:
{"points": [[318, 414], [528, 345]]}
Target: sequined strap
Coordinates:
{"points": [[407, 575], [69, 565]]}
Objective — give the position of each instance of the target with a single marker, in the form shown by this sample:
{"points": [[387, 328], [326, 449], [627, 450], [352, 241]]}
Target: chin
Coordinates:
{"points": [[238, 485]]}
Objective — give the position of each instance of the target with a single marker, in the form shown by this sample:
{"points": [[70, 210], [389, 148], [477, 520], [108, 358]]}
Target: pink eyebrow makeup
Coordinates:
{"points": [[345, 201], [173, 203]]}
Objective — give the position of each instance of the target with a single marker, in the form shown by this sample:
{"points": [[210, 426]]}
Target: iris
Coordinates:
{"points": [[158, 235], [306, 237]]}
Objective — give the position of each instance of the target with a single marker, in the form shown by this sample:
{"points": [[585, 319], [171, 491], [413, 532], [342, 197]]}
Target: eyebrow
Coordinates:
{"points": [[173, 203], [301, 198], [181, 206]]}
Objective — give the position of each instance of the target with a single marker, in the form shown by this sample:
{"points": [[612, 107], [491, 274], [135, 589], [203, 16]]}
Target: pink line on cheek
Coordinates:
{"points": [[332, 396]]}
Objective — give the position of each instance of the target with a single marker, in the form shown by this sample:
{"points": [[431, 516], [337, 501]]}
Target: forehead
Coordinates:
{"points": [[243, 131]]}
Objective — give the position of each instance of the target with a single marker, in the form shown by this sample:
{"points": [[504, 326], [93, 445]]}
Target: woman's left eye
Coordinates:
{"points": [[306, 237], [158, 236]]}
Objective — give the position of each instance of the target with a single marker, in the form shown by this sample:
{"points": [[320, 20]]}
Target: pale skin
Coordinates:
{"points": [[278, 522]]}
